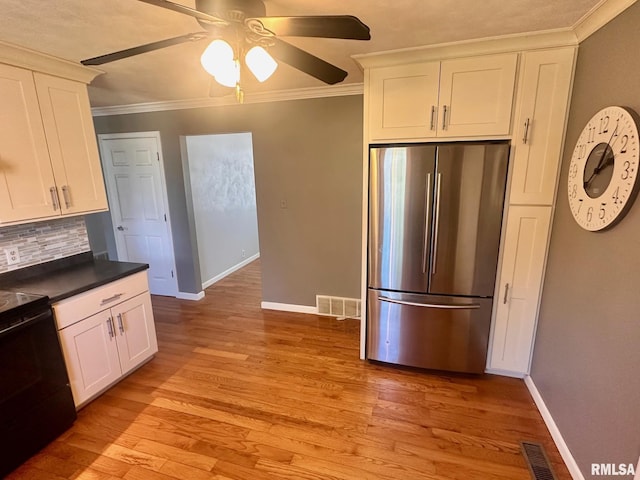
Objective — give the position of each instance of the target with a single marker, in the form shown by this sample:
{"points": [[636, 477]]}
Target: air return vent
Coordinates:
{"points": [[537, 461], [338, 306]]}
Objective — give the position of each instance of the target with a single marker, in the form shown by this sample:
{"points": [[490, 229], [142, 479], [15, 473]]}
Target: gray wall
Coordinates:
{"points": [[587, 352], [220, 185], [307, 153]]}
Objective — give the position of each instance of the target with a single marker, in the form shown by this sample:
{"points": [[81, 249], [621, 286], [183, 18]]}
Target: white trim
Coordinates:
{"points": [[570, 462], [41, 62], [190, 296], [484, 46], [275, 96], [229, 271], [601, 14], [287, 307]]}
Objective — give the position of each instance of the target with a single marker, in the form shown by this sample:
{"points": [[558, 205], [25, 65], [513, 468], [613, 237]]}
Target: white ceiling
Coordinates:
{"points": [[79, 29]]}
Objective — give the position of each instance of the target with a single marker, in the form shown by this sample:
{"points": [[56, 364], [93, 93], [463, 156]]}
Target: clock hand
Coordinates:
{"points": [[600, 165]]}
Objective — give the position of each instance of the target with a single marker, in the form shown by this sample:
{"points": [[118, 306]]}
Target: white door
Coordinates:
{"points": [[138, 200]]}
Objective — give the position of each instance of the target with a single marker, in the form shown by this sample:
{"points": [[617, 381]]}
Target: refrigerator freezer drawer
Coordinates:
{"points": [[428, 331]]}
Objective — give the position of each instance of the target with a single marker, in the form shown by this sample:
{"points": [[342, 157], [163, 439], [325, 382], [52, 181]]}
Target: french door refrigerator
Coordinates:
{"points": [[435, 216]]}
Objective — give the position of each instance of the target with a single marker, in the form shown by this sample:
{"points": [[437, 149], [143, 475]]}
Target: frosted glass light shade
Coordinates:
{"points": [[228, 74], [260, 63], [216, 57]]}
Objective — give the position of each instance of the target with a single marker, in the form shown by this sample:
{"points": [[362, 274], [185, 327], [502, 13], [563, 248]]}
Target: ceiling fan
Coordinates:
{"points": [[242, 31]]}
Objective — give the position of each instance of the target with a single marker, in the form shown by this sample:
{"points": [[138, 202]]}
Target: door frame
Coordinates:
{"points": [[163, 183]]}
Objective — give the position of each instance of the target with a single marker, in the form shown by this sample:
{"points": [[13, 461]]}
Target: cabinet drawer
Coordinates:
{"points": [[83, 305]]}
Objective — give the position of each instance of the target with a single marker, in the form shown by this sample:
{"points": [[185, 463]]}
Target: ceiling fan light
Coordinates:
{"points": [[260, 63], [228, 73], [217, 57]]}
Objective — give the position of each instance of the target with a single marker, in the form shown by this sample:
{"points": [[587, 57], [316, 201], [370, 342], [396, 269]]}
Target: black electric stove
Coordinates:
{"points": [[36, 404], [14, 305]]}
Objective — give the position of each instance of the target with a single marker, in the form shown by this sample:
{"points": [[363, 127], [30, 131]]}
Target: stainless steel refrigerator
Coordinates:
{"points": [[435, 216]]}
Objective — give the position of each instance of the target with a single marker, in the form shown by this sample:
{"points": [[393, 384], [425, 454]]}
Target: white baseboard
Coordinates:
{"points": [[287, 307], [569, 461], [190, 296], [229, 271]]}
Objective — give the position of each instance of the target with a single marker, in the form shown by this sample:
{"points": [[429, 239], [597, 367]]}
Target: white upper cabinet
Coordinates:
{"points": [[25, 168], [540, 124], [467, 97], [68, 125], [49, 163], [404, 100]]}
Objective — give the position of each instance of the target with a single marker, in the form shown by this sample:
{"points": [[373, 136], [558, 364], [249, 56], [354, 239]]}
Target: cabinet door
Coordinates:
{"points": [[476, 95], [25, 170], [520, 281], [91, 354], [543, 101], [136, 332], [71, 138], [403, 101]]}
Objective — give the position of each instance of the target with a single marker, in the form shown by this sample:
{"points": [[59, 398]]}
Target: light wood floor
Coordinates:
{"points": [[236, 392]]}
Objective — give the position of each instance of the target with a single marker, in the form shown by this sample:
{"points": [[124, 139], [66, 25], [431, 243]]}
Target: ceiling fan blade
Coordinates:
{"points": [[130, 52], [176, 7], [326, 26], [307, 63]]}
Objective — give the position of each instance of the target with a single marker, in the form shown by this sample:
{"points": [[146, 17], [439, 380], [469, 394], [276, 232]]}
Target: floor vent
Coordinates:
{"points": [[338, 306], [537, 461]]}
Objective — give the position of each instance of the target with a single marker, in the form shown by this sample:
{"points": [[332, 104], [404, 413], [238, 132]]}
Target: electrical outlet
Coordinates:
{"points": [[13, 255], [283, 203], [244, 254]]}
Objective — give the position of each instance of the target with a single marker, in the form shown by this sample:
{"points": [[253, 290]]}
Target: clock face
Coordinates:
{"points": [[603, 173]]}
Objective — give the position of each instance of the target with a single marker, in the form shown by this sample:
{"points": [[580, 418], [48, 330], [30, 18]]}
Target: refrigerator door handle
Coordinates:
{"points": [[436, 224], [471, 306], [425, 243]]}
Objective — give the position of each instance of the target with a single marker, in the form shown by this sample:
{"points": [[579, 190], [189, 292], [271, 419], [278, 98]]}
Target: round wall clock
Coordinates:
{"points": [[603, 173]]}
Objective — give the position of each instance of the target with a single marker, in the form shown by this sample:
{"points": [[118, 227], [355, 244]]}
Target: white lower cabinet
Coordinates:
{"points": [[101, 348], [520, 284]]}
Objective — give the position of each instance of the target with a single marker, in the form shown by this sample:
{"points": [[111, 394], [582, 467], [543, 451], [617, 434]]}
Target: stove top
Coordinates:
{"points": [[15, 304]]}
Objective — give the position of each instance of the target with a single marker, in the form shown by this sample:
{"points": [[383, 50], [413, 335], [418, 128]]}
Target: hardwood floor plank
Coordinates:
{"points": [[238, 393]]}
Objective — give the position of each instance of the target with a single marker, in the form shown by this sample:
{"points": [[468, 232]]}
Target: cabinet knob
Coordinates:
{"points": [[121, 228]]}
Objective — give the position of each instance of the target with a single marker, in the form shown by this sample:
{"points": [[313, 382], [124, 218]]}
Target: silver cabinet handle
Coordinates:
{"points": [[54, 197], [110, 327], [120, 325], [444, 117], [526, 131], [471, 306], [434, 241], [121, 228], [111, 298], [433, 117], [427, 225], [66, 196], [506, 294]]}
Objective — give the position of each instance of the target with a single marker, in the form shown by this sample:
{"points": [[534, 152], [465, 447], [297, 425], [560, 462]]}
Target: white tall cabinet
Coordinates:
{"points": [[513, 89], [545, 82]]}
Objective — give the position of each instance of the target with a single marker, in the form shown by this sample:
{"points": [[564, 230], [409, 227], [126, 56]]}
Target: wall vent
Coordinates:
{"points": [[537, 461], [340, 307]]}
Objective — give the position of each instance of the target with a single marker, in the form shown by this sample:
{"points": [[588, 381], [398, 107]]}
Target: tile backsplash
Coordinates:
{"points": [[43, 241]]}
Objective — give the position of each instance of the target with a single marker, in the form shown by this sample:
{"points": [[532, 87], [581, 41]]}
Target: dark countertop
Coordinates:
{"points": [[60, 279]]}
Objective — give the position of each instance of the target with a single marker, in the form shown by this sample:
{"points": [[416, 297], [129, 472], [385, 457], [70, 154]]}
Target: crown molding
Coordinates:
{"points": [[601, 14], [249, 98], [42, 62], [485, 46]]}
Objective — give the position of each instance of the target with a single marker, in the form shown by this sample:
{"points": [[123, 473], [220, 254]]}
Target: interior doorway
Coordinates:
{"points": [[137, 193], [220, 190]]}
